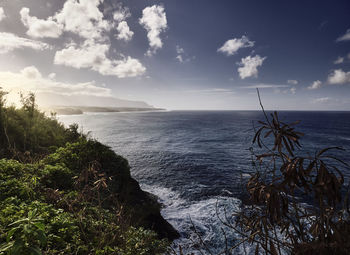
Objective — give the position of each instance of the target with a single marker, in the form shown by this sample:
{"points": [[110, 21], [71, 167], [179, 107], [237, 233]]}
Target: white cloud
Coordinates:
{"points": [[52, 76], [122, 14], [345, 37], [231, 46], [124, 32], [249, 66], [30, 79], [179, 50], [123, 29], [9, 42], [293, 90], [2, 14], [338, 76], [83, 18], [315, 85], [128, 67], [339, 60], [321, 100], [38, 27], [182, 57], [31, 72], [179, 58], [293, 82], [90, 55], [94, 56], [154, 21]]}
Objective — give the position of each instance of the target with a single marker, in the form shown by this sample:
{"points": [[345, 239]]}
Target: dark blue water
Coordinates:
{"points": [[192, 159]]}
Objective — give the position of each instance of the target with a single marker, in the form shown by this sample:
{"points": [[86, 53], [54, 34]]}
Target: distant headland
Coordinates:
{"points": [[76, 110]]}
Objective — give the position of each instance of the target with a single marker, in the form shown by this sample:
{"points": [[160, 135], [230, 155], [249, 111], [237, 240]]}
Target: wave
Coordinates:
{"points": [[191, 218]]}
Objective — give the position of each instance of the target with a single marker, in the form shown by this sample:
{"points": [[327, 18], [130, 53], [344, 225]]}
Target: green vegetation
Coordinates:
{"points": [[62, 193], [28, 131]]}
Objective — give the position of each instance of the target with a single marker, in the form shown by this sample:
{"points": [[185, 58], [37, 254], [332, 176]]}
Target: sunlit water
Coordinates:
{"points": [[193, 159]]}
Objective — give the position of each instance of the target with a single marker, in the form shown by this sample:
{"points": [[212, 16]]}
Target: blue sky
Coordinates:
{"points": [[179, 54]]}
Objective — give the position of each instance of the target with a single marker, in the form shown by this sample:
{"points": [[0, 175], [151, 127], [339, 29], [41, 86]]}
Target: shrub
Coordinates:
{"points": [[57, 177], [27, 133], [25, 236], [142, 242], [277, 221]]}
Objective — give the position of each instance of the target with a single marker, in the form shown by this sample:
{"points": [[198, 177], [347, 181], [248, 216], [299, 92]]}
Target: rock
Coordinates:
{"points": [[147, 212]]}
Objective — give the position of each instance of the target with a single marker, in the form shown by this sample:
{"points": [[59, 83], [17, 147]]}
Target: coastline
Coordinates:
{"points": [[78, 110]]}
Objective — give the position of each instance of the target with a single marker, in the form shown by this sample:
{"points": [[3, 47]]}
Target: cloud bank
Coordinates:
{"points": [[10, 42], [30, 79]]}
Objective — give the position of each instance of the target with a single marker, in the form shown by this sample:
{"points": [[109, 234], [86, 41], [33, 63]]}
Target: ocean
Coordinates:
{"points": [[195, 160]]}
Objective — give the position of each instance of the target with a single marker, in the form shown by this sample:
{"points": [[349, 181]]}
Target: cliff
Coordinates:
{"points": [[63, 193], [122, 189]]}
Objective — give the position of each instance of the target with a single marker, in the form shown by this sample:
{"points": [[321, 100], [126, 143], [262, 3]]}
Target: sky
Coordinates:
{"points": [[179, 54]]}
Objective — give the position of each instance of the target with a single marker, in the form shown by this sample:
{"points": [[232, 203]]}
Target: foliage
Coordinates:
{"points": [[25, 236], [142, 242], [27, 134], [70, 208], [277, 221], [60, 193]]}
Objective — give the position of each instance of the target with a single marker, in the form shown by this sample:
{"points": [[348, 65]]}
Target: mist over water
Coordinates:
{"points": [[193, 160]]}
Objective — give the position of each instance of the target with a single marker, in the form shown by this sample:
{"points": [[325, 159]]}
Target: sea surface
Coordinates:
{"points": [[196, 160]]}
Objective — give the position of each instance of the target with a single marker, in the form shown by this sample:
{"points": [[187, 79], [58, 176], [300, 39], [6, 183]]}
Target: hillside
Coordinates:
{"points": [[63, 193], [49, 100]]}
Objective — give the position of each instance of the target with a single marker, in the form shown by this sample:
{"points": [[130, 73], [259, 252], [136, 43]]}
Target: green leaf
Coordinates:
{"points": [[41, 237], [40, 225], [17, 246], [19, 221], [31, 214], [10, 233], [35, 250], [5, 246]]}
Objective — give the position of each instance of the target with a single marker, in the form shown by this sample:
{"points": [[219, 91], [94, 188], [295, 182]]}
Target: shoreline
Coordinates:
{"points": [[79, 110]]}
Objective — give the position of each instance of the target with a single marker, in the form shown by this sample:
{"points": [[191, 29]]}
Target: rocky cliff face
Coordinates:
{"points": [[89, 160]]}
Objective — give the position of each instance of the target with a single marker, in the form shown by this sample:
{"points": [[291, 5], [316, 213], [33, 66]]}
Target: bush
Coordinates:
{"points": [[31, 208], [27, 134], [57, 177], [277, 221], [16, 180]]}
